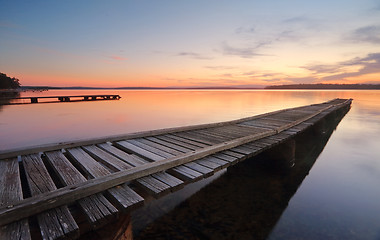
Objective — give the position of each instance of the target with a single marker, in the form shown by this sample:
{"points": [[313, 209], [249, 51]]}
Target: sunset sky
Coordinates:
{"points": [[190, 43]]}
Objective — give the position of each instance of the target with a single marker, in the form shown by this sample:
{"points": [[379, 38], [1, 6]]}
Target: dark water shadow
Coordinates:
{"points": [[243, 203], [6, 97]]}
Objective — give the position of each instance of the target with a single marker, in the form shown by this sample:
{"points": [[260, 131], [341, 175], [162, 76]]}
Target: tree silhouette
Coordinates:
{"points": [[8, 82]]}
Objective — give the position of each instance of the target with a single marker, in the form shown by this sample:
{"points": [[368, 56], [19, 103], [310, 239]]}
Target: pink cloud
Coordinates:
{"points": [[118, 58]]}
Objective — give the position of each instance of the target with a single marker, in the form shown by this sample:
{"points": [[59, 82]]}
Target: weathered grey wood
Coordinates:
{"points": [[244, 150], [126, 197], [150, 152], [55, 223], [232, 153], [114, 179], [95, 170], [195, 139], [185, 173], [172, 140], [200, 168], [153, 186], [225, 157], [208, 137], [139, 151], [170, 144], [171, 151], [96, 208], [106, 158], [218, 161], [217, 137], [151, 149], [185, 142], [10, 192], [168, 179], [150, 184], [128, 158], [211, 164]]}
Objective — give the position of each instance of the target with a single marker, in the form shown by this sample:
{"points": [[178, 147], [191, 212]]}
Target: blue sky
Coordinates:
{"points": [[190, 43]]}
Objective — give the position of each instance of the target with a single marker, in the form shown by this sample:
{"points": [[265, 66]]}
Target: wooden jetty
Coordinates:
{"points": [[62, 99], [66, 189]]}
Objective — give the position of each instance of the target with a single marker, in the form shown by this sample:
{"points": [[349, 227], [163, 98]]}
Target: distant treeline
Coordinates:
{"points": [[325, 86], [8, 82]]}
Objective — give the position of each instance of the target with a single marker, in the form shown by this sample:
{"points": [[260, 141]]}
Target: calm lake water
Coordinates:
{"points": [[338, 199]]}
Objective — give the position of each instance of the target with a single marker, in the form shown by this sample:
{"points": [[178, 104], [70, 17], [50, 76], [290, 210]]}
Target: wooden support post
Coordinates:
{"points": [[33, 100], [93, 98]]}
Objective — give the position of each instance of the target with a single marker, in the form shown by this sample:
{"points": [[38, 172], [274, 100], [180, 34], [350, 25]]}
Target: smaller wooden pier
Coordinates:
{"points": [[66, 189], [63, 99]]}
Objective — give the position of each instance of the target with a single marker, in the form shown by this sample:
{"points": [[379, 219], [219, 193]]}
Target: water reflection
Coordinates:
{"points": [[245, 202], [6, 97]]}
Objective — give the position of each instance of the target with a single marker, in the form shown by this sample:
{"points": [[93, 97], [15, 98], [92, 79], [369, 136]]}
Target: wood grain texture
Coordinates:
{"points": [[10, 192], [55, 223]]}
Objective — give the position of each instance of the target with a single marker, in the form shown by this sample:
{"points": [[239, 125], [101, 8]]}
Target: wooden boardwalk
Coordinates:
{"points": [[61, 187]]}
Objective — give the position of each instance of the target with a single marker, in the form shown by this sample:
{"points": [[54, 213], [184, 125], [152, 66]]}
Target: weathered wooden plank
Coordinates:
{"points": [[147, 185], [97, 209], [170, 180], [10, 192], [222, 163], [233, 153], [188, 141], [55, 223], [153, 186], [184, 145], [208, 136], [150, 148], [200, 168], [212, 164], [106, 158], [214, 135], [194, 138], [86, 163], [170, 144], [125, 196], [128, 158], [95, 170], [185, 173], [139, 151], [165, 148]]}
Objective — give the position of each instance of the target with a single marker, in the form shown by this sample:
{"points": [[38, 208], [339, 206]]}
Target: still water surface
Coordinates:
{"points": [[339, 199]]}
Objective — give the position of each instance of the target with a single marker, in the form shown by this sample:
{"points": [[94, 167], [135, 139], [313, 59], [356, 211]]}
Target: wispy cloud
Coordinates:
{"points": [[117, 58], [243, 52], [245, 30], [219, 67], [298, 19], [368, 65], [352, 68], [369, 34], [193, 55]]}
